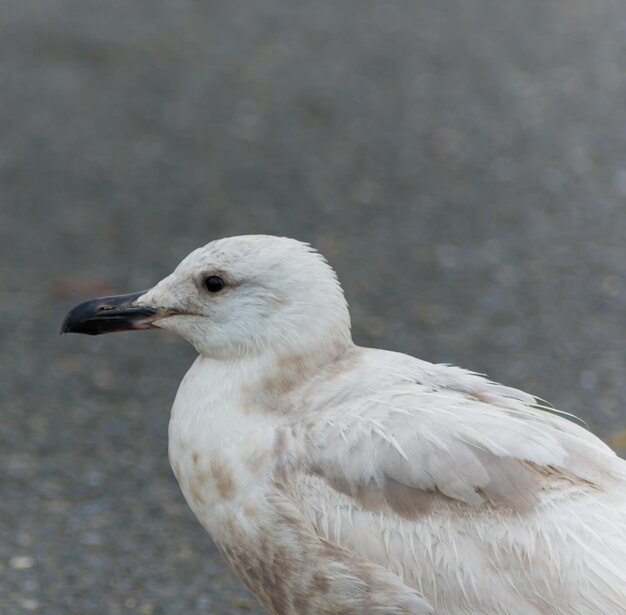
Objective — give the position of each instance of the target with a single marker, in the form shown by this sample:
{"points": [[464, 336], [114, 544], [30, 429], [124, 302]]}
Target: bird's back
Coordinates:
{"points": [[472, 495]]}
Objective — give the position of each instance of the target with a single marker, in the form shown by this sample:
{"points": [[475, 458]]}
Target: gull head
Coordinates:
{"points": [[234, 297]]}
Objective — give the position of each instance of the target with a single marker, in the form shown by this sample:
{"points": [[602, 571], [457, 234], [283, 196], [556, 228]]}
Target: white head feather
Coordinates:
{"points": [[280, 295]]}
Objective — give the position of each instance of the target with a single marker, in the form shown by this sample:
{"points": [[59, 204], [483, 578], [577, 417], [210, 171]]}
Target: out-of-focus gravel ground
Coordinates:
{"points": [[461, 164]]}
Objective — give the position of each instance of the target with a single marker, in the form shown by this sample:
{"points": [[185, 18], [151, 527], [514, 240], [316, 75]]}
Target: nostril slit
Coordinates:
{"points": [[104, 308]]}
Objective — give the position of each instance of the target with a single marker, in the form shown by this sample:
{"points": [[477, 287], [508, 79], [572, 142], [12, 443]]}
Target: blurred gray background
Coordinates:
{"points": [[461, 164]]}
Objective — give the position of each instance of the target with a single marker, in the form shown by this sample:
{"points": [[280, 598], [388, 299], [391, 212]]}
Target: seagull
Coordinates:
{"points": [[337, 479]]}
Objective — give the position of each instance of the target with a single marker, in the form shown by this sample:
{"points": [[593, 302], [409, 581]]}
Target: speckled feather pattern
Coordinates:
{"points": [[339, 479]]}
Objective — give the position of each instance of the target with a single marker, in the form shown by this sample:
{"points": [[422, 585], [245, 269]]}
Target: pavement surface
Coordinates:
{"points": [[462, 165]]}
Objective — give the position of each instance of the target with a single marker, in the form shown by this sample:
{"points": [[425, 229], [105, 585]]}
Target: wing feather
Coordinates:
{"points": [[443, 430], [463, 488]]}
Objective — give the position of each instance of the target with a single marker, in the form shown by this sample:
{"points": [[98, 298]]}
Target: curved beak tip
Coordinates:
{"points": [[108, 315]]}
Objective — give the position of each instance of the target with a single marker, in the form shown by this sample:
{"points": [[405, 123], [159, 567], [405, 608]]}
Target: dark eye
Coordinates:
{"points": [[214, 284]]}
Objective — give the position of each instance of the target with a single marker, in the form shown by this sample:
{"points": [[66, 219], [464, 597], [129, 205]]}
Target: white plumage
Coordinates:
{"points": [[339, 479]]}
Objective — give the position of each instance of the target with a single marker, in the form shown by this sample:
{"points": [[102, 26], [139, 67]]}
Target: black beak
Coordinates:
{"points": [[109, 314]]}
